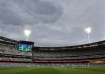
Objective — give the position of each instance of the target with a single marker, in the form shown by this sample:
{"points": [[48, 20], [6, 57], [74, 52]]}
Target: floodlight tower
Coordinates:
{"points": [[88, 31], [27, 34]]}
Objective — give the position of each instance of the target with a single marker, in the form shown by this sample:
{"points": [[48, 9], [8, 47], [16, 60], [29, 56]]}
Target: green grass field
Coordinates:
{"points": [[51, 70]]}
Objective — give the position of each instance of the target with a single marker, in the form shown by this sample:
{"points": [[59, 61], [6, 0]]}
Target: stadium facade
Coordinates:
{"points": [[92, 53]]}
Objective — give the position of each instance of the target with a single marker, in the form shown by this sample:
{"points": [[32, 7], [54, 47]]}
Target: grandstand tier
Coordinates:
{"points": [[87, 53]]}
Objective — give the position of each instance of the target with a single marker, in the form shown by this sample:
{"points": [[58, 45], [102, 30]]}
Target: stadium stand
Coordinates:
{"points": [[87, 53], [93, 53], [9, 53]]}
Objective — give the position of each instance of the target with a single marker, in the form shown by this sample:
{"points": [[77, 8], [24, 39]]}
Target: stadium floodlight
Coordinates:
{"points": [[88, 31], [27, 33]]}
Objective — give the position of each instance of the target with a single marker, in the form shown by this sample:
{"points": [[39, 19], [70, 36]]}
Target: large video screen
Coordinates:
{"points": [[25, 46]]}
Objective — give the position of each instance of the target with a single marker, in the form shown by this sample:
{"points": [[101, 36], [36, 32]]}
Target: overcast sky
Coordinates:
{"points": [[53, 22]]}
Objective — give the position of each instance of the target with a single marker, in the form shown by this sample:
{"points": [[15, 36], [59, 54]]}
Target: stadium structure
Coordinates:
{"points": [[92, 53]]}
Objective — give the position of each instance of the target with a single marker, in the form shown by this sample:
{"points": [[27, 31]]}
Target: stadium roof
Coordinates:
{"points": [[53, 22]]}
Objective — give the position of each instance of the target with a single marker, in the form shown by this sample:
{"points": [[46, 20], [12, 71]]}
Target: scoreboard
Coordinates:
{"points": [[25, 46]]}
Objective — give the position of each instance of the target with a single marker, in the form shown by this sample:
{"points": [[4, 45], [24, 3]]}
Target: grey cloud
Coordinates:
{"points": [[43, 11], [59, 22]]}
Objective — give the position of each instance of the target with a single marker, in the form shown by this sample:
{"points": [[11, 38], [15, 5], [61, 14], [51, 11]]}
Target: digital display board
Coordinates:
{"points": [[25, 46]]}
